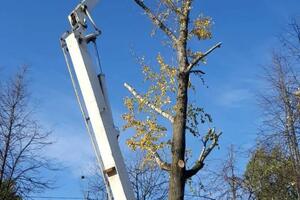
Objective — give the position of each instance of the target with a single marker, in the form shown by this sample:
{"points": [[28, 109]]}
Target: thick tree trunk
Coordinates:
{"points": [[177, 174]]}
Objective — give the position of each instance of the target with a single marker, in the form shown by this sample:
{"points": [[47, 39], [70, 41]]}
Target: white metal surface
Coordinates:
{"points": [[96, 102], [89, 3], [79, 15], [97, 110]]}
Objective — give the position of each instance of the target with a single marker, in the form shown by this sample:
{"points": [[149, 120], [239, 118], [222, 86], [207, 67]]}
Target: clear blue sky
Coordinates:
{"points": [[30, 32]]}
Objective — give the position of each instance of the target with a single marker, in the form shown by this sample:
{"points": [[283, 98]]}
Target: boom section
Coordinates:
{"points": [[93, 100]]}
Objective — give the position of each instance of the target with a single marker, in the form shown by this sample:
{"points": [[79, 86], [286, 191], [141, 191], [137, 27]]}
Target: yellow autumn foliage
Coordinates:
{"points": [[202, 28]]}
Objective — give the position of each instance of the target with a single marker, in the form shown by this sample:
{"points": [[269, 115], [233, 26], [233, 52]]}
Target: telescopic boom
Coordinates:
{"points": [[91, 93]]}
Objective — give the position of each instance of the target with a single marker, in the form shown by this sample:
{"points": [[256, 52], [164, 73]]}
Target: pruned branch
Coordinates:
{"points": [[162, 164], [206, 150], [202, 56], [149, 104], [157, 21]]}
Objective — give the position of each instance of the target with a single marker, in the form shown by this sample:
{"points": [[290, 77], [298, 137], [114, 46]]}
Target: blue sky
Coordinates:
{"points": [[30, 35]]}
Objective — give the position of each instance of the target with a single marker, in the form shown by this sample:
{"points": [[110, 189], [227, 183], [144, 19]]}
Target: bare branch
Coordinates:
{"points": [[22, 140], [200, 57], [170, 4], [162, 164], [157, 21], [199, 72], [150, 105], [206, 150]]}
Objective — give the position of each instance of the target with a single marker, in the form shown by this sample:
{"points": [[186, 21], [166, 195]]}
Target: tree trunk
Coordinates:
{"points": [[177, 174], [177, 178]]}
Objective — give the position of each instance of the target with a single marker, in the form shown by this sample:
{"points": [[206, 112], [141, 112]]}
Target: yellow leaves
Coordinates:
{"points": [[163, 84], [166, 69], [128, 102], [148, 133], [146, 69], [202, 28], [195, 55], [149, 74]]}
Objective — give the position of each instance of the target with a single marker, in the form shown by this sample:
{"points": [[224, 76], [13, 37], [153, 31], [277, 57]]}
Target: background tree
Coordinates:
{"points": [[291, 38], [230, 183], [269, 175], [21, 142], [281, 115], [148, 182], [223, 182], [280, 128], [9, 191], [93, 187], [168, 92]]}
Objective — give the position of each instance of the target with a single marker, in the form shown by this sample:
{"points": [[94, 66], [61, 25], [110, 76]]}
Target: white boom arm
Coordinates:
{"points": [[94, 103]]}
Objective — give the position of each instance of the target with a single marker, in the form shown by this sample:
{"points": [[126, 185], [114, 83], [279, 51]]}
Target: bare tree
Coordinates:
{"points": [[167, 96], [224, 182], [148, 182], [93, 187], [291, 38], [21, 141], [281, 115], [232, 182]]}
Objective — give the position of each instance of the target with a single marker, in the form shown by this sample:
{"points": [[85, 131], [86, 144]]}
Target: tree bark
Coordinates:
{"points": [[177, 174]]}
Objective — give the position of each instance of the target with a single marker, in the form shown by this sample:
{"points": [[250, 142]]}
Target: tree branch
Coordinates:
{"points": [[206, 150], [170, 4], [200, 57], [197, 72], [157, 21], [149, 104], [162, 164]]}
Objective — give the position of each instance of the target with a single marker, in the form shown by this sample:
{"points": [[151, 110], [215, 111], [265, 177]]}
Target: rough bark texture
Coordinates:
{"points": [[177, 174]]}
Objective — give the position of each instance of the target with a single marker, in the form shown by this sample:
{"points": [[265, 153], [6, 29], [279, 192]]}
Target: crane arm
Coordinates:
{"points": [[93, 100]]}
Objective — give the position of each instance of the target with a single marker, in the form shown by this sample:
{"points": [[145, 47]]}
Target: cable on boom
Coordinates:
{"points": [[64, 48]]}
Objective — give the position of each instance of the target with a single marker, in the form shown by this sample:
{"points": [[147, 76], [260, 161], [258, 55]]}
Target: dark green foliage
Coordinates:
{"points": [[8, 191], [269, 175]]}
